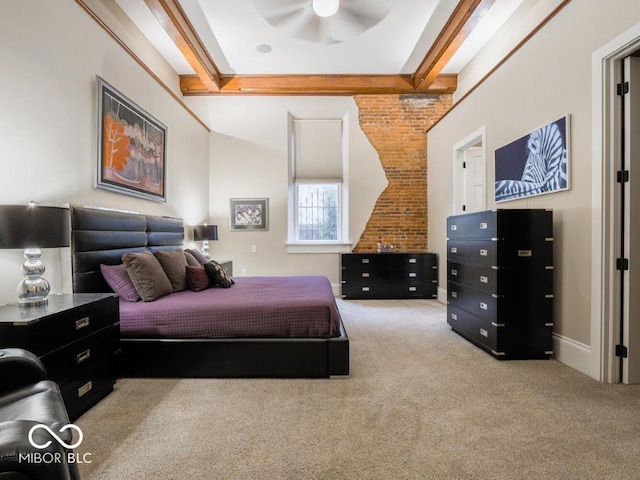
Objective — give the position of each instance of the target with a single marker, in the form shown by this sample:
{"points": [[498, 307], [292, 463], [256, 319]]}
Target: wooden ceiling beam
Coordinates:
{"points": [[316, 85], [174, 21], [461, 23], [208, 79]]}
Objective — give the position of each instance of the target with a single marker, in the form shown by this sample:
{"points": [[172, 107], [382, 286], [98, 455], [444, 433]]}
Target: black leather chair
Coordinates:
{"points": [[28, 399]]}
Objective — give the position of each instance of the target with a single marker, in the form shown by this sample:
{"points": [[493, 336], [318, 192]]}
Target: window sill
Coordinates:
{"points": [[318, 247]]}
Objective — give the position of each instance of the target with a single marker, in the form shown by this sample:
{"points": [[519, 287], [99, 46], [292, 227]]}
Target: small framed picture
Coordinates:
{"points": [[249, 213]]}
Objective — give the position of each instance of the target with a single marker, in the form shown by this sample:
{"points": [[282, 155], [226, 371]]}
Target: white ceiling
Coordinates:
{"points": [[231, 31]]}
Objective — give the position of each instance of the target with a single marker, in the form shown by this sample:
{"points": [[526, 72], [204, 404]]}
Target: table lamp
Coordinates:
{"points": [[33, 227], [204, 233]]}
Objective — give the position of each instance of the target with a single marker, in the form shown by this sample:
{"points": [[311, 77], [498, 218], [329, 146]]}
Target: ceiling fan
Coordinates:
{"points": [[323, 21]]}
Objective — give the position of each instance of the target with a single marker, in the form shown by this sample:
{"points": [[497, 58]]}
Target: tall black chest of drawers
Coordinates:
{"points": [[77, 337], [500, 281], [389, 275]]}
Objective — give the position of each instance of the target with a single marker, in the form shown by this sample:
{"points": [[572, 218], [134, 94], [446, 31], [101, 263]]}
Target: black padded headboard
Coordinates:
{"points": [[103, 236]]}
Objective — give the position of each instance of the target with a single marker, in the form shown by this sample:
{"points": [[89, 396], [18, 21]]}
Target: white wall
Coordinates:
{"points": [[546, 79], [50, 53], [249, 159]]}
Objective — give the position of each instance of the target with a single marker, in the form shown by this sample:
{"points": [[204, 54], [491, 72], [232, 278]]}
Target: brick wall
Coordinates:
{"points": [[396, 125]]}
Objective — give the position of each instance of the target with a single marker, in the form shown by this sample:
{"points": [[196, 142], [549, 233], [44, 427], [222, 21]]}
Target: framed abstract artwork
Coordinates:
{"points": [[249, 213], [132, 148], [534, 164]]}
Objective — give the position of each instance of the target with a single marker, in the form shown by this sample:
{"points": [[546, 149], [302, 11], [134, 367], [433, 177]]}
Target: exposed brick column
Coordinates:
{"points": [[396, 125]]}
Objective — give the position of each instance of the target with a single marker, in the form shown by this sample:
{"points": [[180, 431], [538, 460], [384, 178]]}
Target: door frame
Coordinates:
{"points": [[605, 222], [479, 136]]}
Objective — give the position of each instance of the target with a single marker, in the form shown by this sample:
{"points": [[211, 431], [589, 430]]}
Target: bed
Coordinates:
{"points": [[304, 337]]}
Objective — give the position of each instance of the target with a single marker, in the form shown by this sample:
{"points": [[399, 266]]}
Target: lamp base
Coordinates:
{"points": [[34, 304], [33, 290], [205, 249]]}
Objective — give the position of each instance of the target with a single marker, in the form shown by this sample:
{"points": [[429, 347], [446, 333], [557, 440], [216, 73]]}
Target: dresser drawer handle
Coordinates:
{"points": [[365, 260], [413, 289], [82, 323], [483, 226], [483, 306], [86, 388], [454, 316], [413, 274], [82, 356], [454, 227], [454, 294], [454, 272], [454, 250], [484, 333], [525, 253], [365, 289], [413, 260], [483, 253], [484, 279], [365, 274]]}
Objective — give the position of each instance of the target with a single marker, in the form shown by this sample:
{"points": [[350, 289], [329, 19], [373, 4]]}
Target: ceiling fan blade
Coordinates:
{"points": [[370, 11], [293, 21], [268, 8]]}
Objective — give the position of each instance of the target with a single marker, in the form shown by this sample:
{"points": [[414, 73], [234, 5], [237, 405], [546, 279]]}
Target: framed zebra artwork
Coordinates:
{"points": [[535, 164]]}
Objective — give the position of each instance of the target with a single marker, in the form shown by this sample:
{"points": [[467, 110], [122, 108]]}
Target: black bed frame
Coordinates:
{"points": [[100, 236]]}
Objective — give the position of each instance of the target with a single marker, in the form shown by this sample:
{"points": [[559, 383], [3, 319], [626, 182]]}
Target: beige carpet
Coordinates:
{"points": [[420, 403]]}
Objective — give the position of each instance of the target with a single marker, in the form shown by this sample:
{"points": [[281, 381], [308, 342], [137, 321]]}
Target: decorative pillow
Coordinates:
{"points": [[218, 275], [119, 281], [197, 278], [191, 260], [174, 264], [147, 276], [199, 256]]}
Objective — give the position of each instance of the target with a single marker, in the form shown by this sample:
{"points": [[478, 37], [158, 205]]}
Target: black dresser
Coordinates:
{"points": [[389, 275], [77, 337], [500, 281]]}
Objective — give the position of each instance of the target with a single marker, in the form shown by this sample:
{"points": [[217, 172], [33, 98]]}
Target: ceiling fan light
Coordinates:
{"points": [[325, 8]]}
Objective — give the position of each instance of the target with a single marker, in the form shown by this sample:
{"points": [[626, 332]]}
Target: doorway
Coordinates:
{"points": [[628, 185], [469, 174], [615, 306]]}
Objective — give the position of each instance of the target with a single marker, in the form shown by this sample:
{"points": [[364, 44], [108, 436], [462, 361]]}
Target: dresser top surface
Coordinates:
{"points": [[57, 303], [388, 253]]}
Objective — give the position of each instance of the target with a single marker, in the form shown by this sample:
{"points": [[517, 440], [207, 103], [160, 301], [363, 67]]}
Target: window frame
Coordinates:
{"points": [[342, 244]]}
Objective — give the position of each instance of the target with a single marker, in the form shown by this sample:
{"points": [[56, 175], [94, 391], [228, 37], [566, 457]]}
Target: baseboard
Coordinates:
{"points": [[572, 353], [442, 295]]}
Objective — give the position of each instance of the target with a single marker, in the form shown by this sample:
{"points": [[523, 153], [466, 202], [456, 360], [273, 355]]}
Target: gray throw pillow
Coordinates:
{"points": [[174, 264], [147, 276]]}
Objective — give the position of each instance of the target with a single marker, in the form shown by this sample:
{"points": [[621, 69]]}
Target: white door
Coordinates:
{"points": [[631, 288], [470, 194], [475, 180]]}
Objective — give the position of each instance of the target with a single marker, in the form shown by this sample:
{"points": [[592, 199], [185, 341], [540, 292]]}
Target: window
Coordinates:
{"points": [[318, 193], [318, 216]]}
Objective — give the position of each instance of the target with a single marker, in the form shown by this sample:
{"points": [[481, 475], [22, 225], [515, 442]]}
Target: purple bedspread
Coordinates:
{"points": [[302, 306]]}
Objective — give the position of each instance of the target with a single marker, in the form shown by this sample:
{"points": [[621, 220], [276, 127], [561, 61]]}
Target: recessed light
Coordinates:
{"points": [[264, 48]]}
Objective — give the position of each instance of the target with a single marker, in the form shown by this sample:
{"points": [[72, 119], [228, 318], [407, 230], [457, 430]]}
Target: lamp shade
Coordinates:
{"points": [[25, 226], [205, 232]]}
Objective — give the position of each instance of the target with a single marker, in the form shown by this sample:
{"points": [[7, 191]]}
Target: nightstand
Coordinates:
{"points": [[77, 337]]}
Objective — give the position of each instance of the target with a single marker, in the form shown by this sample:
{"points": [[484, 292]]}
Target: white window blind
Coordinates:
{"points": [[318, 150]]}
